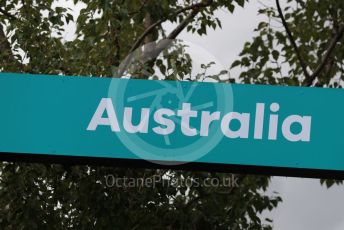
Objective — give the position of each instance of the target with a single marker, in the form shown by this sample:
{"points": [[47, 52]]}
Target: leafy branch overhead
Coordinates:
{"points": [[300, 45], [336, 37], [107, 31]]}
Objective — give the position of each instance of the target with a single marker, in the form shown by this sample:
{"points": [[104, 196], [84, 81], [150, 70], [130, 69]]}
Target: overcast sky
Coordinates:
{"points": [[306, 204]]}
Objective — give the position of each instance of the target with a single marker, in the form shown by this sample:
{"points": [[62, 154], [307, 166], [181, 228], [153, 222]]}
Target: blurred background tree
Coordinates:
{"points": [[299, 44]]}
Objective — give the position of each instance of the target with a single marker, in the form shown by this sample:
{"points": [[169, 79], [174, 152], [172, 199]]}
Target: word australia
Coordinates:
{"points": [[165, 122]]}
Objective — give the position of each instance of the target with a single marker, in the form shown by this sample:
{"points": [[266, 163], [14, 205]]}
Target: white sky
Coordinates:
{"points": [[306, 204]]}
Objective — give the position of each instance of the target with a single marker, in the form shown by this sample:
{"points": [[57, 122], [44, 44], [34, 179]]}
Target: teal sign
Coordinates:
{"points": [[172, 122]]}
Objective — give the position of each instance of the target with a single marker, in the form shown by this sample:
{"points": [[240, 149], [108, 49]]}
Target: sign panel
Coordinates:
{"points": [[262, 127]]}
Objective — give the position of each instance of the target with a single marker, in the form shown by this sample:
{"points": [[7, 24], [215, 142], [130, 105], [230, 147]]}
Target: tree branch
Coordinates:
{"points": [[309, 81], [292, 41], [182, 25], [144, 34], [164, 42], [159, 22]]}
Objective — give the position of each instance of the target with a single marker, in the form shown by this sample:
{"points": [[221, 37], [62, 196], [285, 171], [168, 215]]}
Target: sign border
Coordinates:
{"points": [[190, 166]]}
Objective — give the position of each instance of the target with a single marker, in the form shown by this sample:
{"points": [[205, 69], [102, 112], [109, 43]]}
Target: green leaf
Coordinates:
{"points": [[235, 63], [241, 2], [275, 54]]}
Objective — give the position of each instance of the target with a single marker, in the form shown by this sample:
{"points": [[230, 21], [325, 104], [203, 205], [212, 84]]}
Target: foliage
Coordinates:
{"points": [[271, 58], [50, 196]]}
